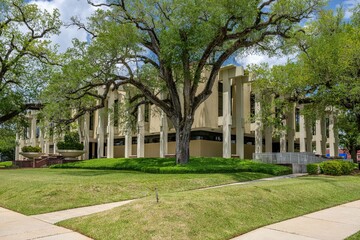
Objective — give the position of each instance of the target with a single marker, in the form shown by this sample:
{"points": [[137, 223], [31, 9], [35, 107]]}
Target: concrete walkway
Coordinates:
{"points": [[335, 223], [54, 217], [15, 226]]}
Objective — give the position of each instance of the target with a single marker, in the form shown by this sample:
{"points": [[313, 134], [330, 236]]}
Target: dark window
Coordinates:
{"points": [[91, 120], [116, 113], [297, 120], [327, 121], [220, 99], [252, 107], [147, 112], [313, 127]]}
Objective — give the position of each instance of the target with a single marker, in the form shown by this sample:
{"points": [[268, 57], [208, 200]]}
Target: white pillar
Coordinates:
{"points": [[100, 134], [291, 129], [258, 126], [33, 129], [227, 121], [128, 143], [46, 141], [320, 136], [333, 136], [163, 135], [110, 127], [283, 147], [239, 118], [17, 146], [86, 136], [268, 139], [302, 134], [140, 131], [309, 135]]}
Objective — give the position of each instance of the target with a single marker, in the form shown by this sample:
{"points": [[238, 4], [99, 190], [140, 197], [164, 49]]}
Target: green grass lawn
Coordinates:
{"points": [[220, 213], [167, 165], [356, 236], [34, 191]]}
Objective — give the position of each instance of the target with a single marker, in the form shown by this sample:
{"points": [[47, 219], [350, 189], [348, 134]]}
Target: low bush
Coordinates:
{"points": [[31, 149], [71, 142], [168, 166], [337, 167], [6, 164], [313, 168]]}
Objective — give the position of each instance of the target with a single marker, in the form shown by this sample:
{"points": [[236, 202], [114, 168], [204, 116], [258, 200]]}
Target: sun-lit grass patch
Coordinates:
{"points": [[221, 213], [167, 165], [33, 191]]}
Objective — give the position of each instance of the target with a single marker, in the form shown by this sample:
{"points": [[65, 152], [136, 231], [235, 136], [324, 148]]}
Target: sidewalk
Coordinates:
{"points": [[335, 223], [54, 217], [15, 226]]}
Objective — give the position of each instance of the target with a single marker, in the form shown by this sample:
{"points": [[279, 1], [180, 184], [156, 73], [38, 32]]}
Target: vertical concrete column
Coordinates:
{"points": [[268, 139], [17, 146], [100, 134], [46, 141], [320, 136], [227, 121], [258, 125], [309, 135], [86, 136], [240, 118], [128, 143], [163, 135], [333, 136], [291, 128], [140, 131], [110, 127], [42, 140], [302, 134], [33, 129]]}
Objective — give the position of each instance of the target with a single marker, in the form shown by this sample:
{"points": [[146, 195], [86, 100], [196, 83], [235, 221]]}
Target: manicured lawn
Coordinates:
{"points": [[220, 213], [33, 191], [356, 236], [167, 165]]}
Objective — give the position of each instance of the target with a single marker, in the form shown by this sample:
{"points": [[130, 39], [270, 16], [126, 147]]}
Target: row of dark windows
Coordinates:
{"points": [[195, 135]]}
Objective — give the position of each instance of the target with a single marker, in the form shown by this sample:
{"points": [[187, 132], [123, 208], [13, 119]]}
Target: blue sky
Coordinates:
{"points": [[82, 10]]}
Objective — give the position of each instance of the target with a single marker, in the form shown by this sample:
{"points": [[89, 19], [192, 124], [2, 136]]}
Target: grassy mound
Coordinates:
{"points": [[167, 165], [221, 213]]}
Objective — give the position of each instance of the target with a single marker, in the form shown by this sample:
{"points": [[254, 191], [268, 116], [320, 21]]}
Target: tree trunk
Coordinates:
{"points": [[183, 132]]}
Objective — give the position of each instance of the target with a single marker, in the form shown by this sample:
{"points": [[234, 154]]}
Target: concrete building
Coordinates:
{"points": [[223, 127]]}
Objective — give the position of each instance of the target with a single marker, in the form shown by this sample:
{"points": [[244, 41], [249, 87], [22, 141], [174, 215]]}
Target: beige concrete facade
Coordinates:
{"points": [[224, 117]]}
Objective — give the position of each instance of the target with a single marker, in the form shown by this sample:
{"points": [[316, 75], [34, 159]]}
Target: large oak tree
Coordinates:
{"points": [[155, 48]]}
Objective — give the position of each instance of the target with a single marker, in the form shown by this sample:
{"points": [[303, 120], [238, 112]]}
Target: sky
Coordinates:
{"points": [[82, 10]]}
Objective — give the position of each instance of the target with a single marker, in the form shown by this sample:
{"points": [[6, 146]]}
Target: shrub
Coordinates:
{"points": [[346, 167], [31, 149], [6, 164], [313, 168], [71, 142], [337, 167]]}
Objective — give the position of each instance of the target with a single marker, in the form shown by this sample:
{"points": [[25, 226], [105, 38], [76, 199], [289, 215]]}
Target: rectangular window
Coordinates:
{"points": [[297, 119], [91, 120], [116, 113], [327, 121], [147, 112], [252, 107], [220, 99]]}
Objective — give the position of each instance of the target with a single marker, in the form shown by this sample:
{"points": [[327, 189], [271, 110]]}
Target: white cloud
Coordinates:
{"points": [[348, 5], [68, 9], [258, 58]]}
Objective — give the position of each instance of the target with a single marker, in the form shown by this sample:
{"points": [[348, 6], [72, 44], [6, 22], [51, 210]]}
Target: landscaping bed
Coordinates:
{"points": [[167, 165]]}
